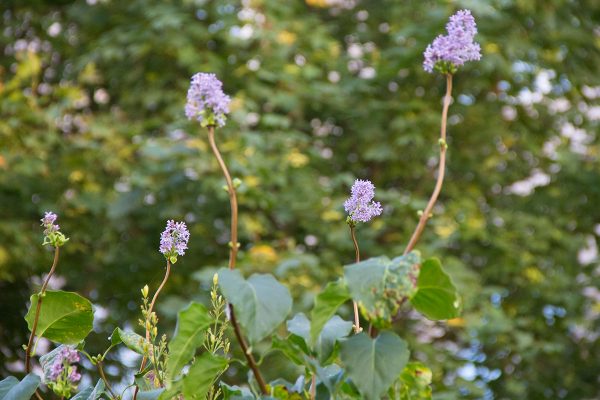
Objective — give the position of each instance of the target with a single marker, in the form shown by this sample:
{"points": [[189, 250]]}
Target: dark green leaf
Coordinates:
{"points": [[326, 304], [202, 375], [65, 317], [335, 329], [91, 393], [22, 390], [374, 364], [436, 296]]}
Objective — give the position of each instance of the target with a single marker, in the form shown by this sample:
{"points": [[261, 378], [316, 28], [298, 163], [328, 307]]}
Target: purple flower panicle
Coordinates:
{"points": [[206, 101], [359, 206], [48, 223], [61, 376], [457, 47], [174, 239]]}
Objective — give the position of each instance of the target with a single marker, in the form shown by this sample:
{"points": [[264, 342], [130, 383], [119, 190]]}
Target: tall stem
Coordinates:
{"points": [[233, 249], [38, 307], [357, 328], [103, 376], [149, 313], [441, 170]]}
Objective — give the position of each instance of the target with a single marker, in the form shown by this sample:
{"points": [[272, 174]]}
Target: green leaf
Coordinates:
{"points": [[236, 392], [151, 394], [374, 364], [415, 382], [202, 375], [326, 304], [12, 389], [190, 330], [65, 317], [132, 340], [335, 329], [299, 325], [90, 393], [291, 350], [170, 392], [436, 296], [381, 286], [260, 302]]}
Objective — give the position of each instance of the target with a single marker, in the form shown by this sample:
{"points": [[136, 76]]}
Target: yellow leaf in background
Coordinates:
{"points": [[2, 162], [297, 159], [3, 256], [456, 322], [318, 3], [491, 48], [475, 222], [196, 144], [286, 37], [76, 176], [251, 181], [331, 215], [445, 229], [251, 224], [263, 253], [533, 274]]}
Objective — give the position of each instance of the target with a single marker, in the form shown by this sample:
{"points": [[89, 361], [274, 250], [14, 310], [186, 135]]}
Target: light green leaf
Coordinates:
{"points": [[132, 340], [202, 375], [326, 304], [236, 392], [91, 393], [415, 382], [12, 389], [192, 323], [374, 364], [65, 317], [151, 394], [381, 285], [260, 302], [299, 325], [335, 329], [436, 296]]}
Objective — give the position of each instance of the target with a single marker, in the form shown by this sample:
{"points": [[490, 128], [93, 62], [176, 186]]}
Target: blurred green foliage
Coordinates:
{"points": [[324, 91]]}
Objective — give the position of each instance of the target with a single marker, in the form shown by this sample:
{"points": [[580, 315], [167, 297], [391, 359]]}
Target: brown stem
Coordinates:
{"points": [[37, 310], [357, 328], [103, 376], [233, 245], [247, 352], [441, 170], [313, 387], [148, 314]]}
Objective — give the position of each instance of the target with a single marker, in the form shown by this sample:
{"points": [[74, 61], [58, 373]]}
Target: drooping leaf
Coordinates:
{"points": [[202, 374], [335, 329], [299, 325], [415, 382], [436, 297], [132, 340], [192, 323], [65, 317], [381, 285], [374, 364], [12, 389], [326, 304], [91, 393], [260, 302]]}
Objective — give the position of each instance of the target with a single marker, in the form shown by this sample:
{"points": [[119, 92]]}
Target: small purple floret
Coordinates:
{"points": [[458, 46], [174, 238], [205, 97], [48, 223], [360, 206], [65, 357]]}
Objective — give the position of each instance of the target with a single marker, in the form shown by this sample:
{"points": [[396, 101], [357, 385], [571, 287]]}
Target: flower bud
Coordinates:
{"points": [[145, 291], [215, 279]]}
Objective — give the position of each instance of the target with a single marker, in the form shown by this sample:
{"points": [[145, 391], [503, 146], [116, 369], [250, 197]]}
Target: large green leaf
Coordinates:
{"points": [[202, 374], [436, 297], [260, 302], [374, 364], [12, 389], [132, 340], [334, 330], [65, 317], [151, 394], [236, 392], [326, 304], [192, 323], [381, 286], [91, 393]]}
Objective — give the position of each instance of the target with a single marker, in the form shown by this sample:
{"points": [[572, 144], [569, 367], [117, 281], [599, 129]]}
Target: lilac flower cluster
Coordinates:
{"points": [[206, 101], [62, 363], [447, 52], [359, 206], [48, 223], [174, 240]]}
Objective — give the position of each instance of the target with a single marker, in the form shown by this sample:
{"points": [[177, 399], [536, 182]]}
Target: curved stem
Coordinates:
{"points": [[441, 170], [233, 245], [106, 383], [357, 328], [149, 313], [28, 352]]}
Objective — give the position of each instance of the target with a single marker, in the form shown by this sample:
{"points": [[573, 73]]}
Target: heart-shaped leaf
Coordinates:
{"points": [[326, 304], [202, 375], [65, 317], [374, 364], [12, 389], [192, 323], [260, 302], [436, 296]]}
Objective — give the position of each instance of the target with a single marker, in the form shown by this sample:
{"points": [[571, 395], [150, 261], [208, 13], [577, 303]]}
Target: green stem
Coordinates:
{"points": [[357, 328]]}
